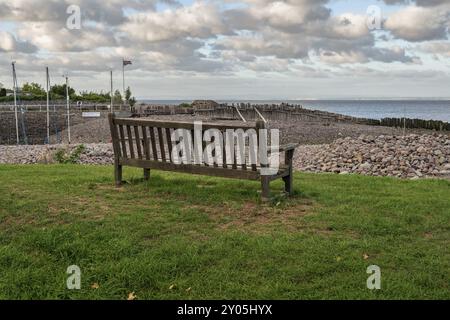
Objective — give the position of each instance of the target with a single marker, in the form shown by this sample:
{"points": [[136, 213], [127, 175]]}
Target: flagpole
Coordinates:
{"points": [[15, 102], [112, 92], [48, 107], [68, 107], [123, 82]]}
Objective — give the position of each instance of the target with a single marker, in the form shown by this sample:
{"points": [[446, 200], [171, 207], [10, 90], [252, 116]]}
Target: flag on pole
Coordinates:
{"points": [[127, 62]]}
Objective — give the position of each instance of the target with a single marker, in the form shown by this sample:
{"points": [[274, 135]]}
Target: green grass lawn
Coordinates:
{"points": [[193, 237]]}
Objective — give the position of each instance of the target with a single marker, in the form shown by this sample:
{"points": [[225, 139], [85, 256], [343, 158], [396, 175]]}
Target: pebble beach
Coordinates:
{"points": [[408, 157]]}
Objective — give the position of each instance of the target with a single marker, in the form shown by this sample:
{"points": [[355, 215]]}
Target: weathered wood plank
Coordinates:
{"points": [[153, 141], [114, 135], [122, 141], [224, 153], [169, 143], [192, 169], [260, 125], [130, 142], [146, 144], [161, 144], [244, 160], [214, 154], [234, 166], [181, 125], [138, 141]]}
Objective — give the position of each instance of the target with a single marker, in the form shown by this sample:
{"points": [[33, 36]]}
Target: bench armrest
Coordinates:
{"points": [[288, 147], [284, 148]]}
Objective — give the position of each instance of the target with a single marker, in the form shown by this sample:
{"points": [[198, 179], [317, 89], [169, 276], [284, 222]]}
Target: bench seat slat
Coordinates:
{"points": [[193, 169], [144, 163]]}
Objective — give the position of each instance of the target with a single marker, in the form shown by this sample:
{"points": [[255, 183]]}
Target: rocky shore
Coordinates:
{"points": [[409, 157], [93, 154]]}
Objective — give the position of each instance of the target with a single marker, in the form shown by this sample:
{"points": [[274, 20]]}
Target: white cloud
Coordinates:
{"points": [[50, 36], [348, 26], [420, 23], [342, 57], [439, 48], [201, 20], [9, 43]]}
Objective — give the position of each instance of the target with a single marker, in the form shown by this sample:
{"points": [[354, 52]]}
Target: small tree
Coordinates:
{"points": [[132, 101], [60, 90], [33, 88], [2, 90], [127, 94], [128, 97], [117, 99]]}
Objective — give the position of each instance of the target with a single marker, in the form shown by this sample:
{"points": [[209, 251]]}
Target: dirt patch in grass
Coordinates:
{"points": [[428, 235], [106, 187], [61, 212], [79, 209], [289, 215], [10, 222], [257, 217]]}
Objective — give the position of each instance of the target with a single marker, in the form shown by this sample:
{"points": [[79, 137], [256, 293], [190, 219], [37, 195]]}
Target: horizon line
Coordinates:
{"points": [[303, 99]]}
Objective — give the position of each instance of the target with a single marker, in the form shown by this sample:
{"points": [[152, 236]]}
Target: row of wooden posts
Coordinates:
{"points": [[415, 124]]}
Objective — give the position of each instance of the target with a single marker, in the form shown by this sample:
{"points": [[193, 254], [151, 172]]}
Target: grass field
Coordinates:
{"points": [[194, 237]]}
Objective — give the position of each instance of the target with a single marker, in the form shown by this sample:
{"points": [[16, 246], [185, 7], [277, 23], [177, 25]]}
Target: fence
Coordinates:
{"points": [[35, 125]]}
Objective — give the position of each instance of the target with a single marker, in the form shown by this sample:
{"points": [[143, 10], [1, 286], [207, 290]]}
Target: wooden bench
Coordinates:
{"points": [[147, 144]]}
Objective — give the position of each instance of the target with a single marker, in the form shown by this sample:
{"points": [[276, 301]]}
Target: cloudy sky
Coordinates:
{"points": [[234, 49]]}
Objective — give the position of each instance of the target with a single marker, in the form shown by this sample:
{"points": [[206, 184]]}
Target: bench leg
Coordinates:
{"points": [[288, 184], [265, 184], [289, 179], [146, 174], [118, 175]]}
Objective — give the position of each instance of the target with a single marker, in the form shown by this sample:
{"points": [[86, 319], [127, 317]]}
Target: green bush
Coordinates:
{"points": [[64, 157]]}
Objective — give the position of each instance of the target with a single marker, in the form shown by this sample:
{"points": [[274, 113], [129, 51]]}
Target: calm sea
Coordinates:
{"points": [[374, 109]]}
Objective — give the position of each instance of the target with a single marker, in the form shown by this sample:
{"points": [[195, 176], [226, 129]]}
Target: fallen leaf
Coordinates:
{"points": [[172, 287], [131, 296], [365, 256], [95, 285], [188, 290]]}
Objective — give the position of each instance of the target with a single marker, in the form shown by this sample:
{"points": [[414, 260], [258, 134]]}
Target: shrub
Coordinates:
{"points": [[64, 157]]}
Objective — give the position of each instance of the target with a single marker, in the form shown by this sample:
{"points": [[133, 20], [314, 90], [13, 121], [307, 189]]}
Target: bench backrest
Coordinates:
{"points": [[151, 140]]}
